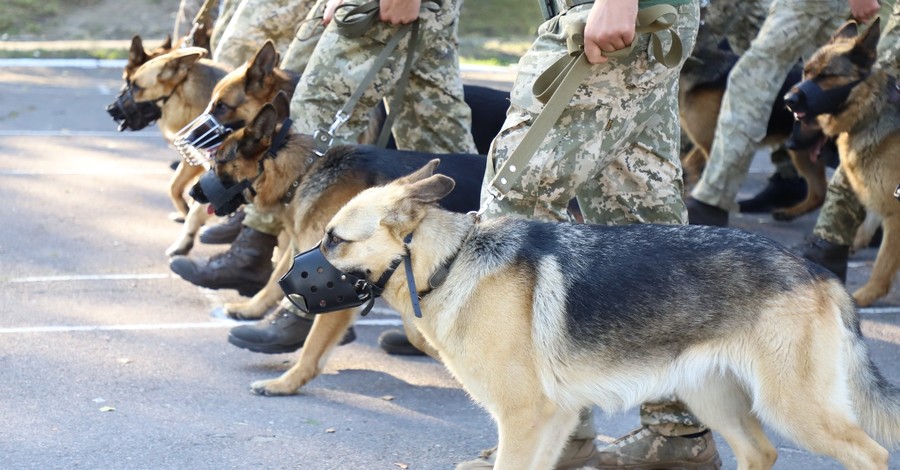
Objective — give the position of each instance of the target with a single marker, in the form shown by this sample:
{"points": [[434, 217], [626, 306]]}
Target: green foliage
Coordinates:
{"points": [[500, 18], [26, 16]]}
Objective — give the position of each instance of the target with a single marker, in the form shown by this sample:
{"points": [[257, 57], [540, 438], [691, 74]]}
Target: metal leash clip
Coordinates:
{"points": [[323, 138]]}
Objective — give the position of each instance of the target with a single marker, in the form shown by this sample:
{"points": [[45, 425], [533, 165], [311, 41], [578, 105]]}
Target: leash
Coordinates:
{"points": [[556, 86], [358, 20]]}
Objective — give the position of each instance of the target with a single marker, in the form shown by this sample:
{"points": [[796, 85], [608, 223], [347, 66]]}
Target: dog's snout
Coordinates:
{"points": [[794, 101]]}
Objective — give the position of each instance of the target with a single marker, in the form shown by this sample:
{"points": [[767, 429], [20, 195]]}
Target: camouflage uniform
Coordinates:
{"points": [[184, 17], [615, 148], [738, 22], [433, 116], [793, 29], [842, 213], [226, 13], [254, 22]]}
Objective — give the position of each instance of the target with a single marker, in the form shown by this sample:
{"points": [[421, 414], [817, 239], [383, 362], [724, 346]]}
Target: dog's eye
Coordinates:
{"points": [[335, 240]]}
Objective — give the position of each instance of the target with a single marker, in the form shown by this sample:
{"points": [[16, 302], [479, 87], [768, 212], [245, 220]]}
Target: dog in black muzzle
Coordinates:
{"points": [[170, 90], [857, 102]]}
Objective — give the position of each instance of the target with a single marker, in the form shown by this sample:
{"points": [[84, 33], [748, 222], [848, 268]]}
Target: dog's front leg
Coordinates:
{"points": [[197, 217], [532, 435], [266, 298], [886, 264], [327, 330]]}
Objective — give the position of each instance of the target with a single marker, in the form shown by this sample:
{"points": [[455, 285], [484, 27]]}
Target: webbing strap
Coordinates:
{"points": [[556, 86], [358, 20]]}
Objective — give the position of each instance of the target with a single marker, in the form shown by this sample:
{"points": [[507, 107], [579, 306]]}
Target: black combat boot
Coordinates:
{"points": [[826, 254], [701, 213], [281, 331], [246, 266], [779, 192], [225, 232], [397, 343]]}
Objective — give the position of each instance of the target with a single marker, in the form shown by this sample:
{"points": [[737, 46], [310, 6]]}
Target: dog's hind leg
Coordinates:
{"points": [[816, 185], [197, 217], [532, 434], [886, 264], [721, 403], [326, 332]]}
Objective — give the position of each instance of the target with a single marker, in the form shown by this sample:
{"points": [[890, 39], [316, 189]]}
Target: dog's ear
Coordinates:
{"points": [[282, 105], [177, 67], [431, 189], [167, 44], [419, 174], [137, 55], [260, 67], [263, 125], [848, 30], [865, 50]]}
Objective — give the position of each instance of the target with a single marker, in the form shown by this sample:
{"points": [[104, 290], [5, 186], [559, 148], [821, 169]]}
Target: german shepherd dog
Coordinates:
{"points": [[702, 84], [573, 315], [171, 89], [138, 55], [305, 191], [860, 107], [235, 100]]}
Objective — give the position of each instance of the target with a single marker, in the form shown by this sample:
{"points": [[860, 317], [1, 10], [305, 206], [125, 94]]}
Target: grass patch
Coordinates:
{"points": [[28, 16]]}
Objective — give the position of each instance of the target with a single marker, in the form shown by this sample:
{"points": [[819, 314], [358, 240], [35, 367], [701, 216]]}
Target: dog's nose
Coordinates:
{"points": [[794, 102]]}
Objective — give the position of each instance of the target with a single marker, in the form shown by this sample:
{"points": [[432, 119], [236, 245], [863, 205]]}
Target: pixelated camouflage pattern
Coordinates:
{"points": [[615, 147], [645, 448], [305, 39], [226, 13], [254, 22], [184, 17], [738, 22], [843, 213], [793, 29], [433, 116]]}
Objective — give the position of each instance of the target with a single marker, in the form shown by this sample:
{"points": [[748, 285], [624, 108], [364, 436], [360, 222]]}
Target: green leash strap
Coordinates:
{"points": [[556, 86], [358, 20]]}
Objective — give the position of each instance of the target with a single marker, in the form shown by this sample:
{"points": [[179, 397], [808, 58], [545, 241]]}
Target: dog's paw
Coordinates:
{"points": [[272, 388], [176, 217], [180, 248], [867, 295], [243, 311]]}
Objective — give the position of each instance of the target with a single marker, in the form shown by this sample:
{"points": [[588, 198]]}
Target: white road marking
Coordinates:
{"points": [[68, 133], [92, 277], [166, 326], [88, 172]]}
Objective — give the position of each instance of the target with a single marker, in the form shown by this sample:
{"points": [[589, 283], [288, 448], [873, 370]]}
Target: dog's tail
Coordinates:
{"points": [[877, 401]]}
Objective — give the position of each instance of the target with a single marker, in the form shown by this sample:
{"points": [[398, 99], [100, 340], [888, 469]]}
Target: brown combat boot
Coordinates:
{"points": [[644, 449], [246, 266], [826, 254], [578, 454]]}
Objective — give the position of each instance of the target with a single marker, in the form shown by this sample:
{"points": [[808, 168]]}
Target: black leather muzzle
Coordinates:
{"points": [[807, 99], [315, 286], [225, 197], [131, 114]]}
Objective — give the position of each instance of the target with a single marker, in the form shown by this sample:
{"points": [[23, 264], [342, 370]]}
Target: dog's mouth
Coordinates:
{"points": [[315, 286], [131, 114], [197, 142], [224, 197]]}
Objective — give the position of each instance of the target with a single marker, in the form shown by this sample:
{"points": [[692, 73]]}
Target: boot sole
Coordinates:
{"points": [[715, 463], [349, 337]]}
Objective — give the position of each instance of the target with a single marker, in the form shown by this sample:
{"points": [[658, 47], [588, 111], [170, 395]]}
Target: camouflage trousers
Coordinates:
{"points": [[184, 17], [254, 22], [738, 22], [226, 13], [433, 116], [615, 148], [842, 213], [793, 29]]}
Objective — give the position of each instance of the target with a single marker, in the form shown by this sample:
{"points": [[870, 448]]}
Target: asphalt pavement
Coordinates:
{"points": [[108, 361]]}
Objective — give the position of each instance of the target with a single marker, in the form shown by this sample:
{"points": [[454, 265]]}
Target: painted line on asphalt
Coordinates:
{"points": [[91, 277], [166, 326], [82, 172], [68, 133]]}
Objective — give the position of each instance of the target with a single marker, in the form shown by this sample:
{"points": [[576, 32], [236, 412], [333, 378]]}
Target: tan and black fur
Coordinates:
{"points": [[325, 184], [702, 84], [187, 79], [237, 97], [138, 55], [867, 129], [539, 320]]}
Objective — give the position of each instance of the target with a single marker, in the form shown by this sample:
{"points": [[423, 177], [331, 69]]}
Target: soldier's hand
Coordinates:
{"points": [[330, 7], [864, 10], [398, 12], [610, 27]]}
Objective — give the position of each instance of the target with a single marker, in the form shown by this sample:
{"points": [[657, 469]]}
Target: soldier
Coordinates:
{"points": [[793, 29], [615, 149], [842, 213]]}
